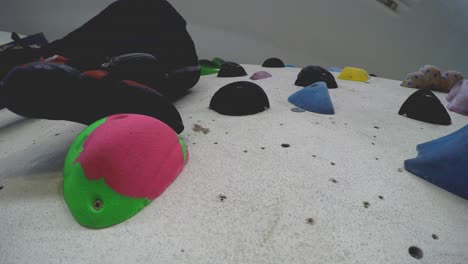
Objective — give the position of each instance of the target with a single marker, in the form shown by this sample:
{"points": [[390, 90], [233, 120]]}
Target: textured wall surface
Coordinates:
{"points": [[336, 195]]}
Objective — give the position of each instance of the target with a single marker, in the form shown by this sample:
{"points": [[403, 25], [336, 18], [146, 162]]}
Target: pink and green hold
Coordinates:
{"points": [[118, 165]]}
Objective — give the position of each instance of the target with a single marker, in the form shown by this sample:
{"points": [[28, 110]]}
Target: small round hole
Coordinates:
{"points": [[333, 180], [366, 204], [381, 197], [97, 204], [333, 163], [435, 237], [285, 145], [245, 151], [216, 143], [416, 252], [222, 197], [310, 221], [263, 147]]}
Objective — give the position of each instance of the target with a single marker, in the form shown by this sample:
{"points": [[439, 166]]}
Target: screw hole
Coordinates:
{"points": [[97, 204], [416, 252]]}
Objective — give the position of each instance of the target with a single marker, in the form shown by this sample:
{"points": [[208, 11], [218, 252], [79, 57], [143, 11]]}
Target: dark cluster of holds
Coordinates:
{"points": [[246, 98]]}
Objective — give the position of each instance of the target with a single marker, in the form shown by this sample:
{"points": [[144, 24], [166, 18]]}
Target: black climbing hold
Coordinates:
{"points": [[273, 63], [239, 99], [423, 105], [231, 69], [313, 74]]}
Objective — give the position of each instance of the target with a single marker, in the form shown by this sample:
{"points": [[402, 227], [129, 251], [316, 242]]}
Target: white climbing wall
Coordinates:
{"points": [[337, 194]]}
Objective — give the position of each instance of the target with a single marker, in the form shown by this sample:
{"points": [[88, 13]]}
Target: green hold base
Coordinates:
{"points": [[207, 70], [218, 61]]}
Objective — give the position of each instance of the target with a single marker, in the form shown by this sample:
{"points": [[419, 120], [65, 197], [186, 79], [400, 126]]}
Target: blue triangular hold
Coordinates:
{"points": [[444, 162], [314, 98], [334, 69]]}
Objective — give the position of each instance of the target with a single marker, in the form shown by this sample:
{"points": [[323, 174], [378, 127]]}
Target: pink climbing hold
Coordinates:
{"points": [[458, 98], [261, 75], [138, 156]]}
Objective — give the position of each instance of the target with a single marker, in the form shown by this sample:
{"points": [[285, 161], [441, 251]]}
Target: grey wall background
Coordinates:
{"points": [[341, 33]]}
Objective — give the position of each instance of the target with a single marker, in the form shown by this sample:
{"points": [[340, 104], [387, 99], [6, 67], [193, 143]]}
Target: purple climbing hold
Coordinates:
{"points": [[261, 75], [458, 98]]}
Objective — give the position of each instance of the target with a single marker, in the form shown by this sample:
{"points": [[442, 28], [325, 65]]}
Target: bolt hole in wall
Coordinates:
{"points": [[416, 252], [310, 221]]}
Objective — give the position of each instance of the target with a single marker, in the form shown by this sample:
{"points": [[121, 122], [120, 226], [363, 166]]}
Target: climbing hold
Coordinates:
{"points": [[444, 162], [458, 98], [117, 166], [240, 98], [260, 75], [312, 74], [273, 63], [423, 105], [231, 69], [354, 74], [314, 98]]}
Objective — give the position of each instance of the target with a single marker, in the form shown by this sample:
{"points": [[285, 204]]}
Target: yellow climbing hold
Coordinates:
{"points": [[354, 74]]}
